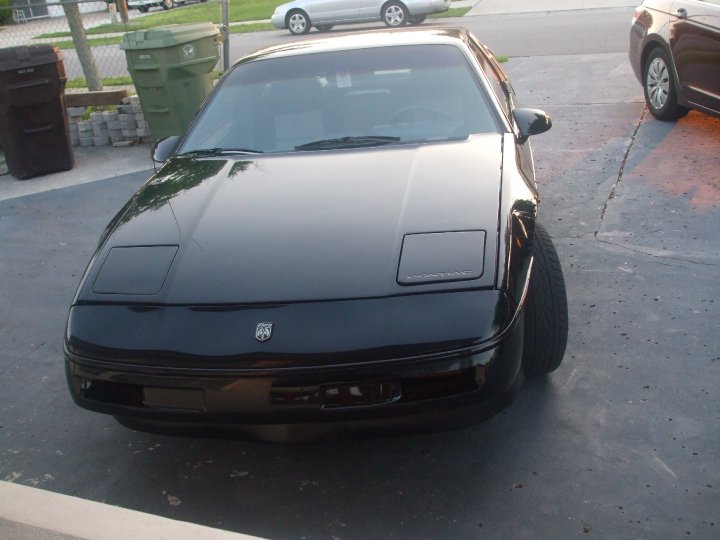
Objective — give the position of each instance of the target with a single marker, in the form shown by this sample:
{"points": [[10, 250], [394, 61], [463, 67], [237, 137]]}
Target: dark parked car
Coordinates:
{"points": [[675, 53], [345, 238]]}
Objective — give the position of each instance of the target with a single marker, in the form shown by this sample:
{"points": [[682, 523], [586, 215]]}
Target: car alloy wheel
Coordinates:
{"points": [[394, 14], [298, 23], [659, 87], [658, 83]]}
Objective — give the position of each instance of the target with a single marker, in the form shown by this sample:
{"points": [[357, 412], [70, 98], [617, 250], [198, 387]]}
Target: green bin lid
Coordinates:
{"points": [[27, 56], [168, 36]]}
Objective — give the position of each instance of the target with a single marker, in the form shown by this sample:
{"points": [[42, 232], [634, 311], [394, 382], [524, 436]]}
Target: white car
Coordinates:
{"points": [[143, 6], [300, 15]]}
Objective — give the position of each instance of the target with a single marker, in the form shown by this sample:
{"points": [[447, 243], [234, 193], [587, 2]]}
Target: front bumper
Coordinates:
{"points": [[395, 396], [278, 19], [415, 361]]}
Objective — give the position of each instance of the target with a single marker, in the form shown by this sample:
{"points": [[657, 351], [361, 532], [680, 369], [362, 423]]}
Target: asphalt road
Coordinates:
{"points": [[528, 34], [620, 442]]}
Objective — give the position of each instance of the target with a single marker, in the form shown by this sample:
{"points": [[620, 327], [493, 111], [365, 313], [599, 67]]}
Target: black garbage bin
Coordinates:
{"points": [[33, 122]]}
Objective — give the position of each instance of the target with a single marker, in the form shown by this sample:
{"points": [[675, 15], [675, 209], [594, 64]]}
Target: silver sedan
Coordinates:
{"points": [[300, 15]]}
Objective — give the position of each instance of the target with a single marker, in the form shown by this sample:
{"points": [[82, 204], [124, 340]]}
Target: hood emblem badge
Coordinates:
{"points": [[263, 332]]}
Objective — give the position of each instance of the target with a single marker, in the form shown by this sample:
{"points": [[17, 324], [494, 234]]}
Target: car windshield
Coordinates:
{"points": [[345, 99]]}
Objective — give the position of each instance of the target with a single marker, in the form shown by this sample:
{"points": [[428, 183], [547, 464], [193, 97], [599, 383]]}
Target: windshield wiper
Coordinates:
{"points": [[210, 152], [348, 142]]}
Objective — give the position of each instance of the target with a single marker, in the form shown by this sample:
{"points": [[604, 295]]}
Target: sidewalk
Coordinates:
{"points": [[92, 163], [16, 34], [505, 7]]}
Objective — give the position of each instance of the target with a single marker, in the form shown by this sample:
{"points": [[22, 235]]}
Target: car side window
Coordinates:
{"points": [[496, 78]]}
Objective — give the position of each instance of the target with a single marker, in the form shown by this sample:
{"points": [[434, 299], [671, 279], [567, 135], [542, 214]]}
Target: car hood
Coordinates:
{"points": [[326, 225]]}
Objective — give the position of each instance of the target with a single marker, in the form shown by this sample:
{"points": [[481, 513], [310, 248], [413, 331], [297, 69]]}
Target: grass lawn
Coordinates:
{"points": [[251, 27], [452, 12], [247, 10], [96, 42], [79, 82], [115, 40]]}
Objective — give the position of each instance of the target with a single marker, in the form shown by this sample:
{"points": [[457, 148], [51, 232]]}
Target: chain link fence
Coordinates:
{"points": [[89, 32]]}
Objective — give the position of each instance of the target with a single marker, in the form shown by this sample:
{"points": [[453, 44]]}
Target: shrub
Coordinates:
{"points": [[6, 11]]}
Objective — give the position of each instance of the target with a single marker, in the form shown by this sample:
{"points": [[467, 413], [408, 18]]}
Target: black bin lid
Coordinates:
{"points": [[28, 56]]}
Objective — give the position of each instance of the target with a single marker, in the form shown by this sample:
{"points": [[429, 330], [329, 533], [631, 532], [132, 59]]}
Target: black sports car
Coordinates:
{"points": [[345, 238]]}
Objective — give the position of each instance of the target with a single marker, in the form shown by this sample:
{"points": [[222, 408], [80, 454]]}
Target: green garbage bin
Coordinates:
{"points": [[171, 67]]}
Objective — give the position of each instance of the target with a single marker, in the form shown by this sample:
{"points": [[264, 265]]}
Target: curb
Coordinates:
{"points": [[28, 514]]}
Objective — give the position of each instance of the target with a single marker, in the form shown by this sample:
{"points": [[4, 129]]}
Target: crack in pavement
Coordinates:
{"points": [[656, 256], [621, 171], [611, 196]]}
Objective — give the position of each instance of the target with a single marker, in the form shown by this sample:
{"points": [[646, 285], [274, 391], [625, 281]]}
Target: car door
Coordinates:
{"points": [[370, 9], [334, 11], [695, 44]]}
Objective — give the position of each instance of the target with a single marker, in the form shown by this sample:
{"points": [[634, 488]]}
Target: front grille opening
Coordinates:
{"points": [[360, 394], [364, 394], [132, 395], [438, 385], [113, 393]]}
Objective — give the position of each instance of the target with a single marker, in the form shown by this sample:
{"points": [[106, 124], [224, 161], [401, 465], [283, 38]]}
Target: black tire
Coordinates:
{"points": [[660, 87], [417, 19], [297, 22], [167, 4], [143, 9], [324, 27], [546, 312], [394, 14]]}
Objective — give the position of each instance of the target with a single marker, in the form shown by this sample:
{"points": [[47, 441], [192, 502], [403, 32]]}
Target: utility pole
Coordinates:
{"points": [[122, 8], [226, 41], [84, 52]]}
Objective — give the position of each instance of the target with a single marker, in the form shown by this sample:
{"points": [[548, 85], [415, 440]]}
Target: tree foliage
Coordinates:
{"points": [[6, 11]]}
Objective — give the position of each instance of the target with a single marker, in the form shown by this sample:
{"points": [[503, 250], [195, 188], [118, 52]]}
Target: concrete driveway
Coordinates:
{"points": [[622, 441]]}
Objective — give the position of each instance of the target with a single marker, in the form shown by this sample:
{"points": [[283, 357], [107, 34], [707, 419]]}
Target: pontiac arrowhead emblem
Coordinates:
{"points": [[263, 332]]}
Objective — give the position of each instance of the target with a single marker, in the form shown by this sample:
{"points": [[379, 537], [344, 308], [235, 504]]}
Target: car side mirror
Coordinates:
{"points": [[531, 122], [164, 148]]}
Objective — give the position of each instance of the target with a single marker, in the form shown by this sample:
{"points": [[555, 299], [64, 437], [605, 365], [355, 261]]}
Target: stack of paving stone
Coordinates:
{"points": [[122, 127]]}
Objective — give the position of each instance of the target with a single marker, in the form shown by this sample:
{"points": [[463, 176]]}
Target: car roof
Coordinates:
{"points": [[363, 40]]}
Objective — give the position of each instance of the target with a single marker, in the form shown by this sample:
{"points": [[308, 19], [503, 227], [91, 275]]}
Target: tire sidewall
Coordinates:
{"points": [[405, 14], [545, 312], [670, 110], [304, 15]]}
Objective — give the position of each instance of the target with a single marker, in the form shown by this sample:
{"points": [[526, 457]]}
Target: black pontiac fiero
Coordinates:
{"points": [[344, 239]]}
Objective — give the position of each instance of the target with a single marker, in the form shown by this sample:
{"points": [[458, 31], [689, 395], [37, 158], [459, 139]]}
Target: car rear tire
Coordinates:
{"points": [[394, 14], [143, 9], [417, 19], [168, 4], [546, 312], [660, 87], [298, 22], [324, 27]]}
